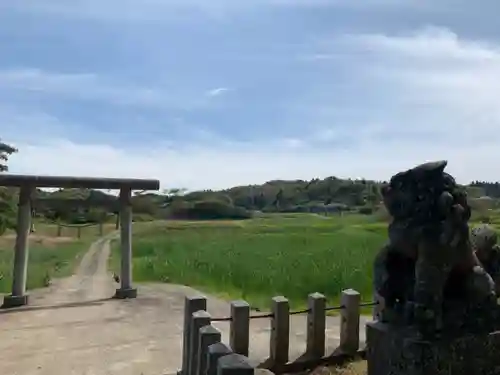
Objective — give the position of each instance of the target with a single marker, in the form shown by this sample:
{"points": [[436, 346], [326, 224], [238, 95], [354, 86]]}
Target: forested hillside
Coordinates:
{"points": [[318, 195], [297, 195]]}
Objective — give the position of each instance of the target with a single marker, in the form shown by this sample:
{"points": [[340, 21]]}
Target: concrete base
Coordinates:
{"points": [[14, 301], [126, 293], [397, 351]]}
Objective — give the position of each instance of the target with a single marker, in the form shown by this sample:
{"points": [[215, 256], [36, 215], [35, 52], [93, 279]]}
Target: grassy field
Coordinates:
{"points": [[49, 255], [290, 255]]}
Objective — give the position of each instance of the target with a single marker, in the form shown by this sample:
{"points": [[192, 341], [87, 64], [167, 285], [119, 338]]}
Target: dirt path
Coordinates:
{"points": [[74, 328]]}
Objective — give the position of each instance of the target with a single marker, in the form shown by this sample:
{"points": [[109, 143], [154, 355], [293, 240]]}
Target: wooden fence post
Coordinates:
{"points": [[349, 323], [316, 325], [59, 230], [79, 232], [199, 319], [239, 331], [101, 229], [280, 331], [234, 364], [191, 305], [208, 335], [216, 351]]}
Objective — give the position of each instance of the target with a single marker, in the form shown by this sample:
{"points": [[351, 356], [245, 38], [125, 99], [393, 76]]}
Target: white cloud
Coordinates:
{"points": [[430, 43], [218, 91], [458, 79], [219, 167], [438, 101]]}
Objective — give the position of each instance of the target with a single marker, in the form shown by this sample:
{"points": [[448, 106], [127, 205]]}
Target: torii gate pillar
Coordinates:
{"points": [[18, 296], [126, 290]]}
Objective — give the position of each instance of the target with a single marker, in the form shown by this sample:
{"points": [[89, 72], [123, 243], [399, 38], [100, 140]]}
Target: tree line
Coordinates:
{"points": [[326, 195]]}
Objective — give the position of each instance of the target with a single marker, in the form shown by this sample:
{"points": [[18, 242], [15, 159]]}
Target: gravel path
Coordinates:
{"points": [[73, 327]]}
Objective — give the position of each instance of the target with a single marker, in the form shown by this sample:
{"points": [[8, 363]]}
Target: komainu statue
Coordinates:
{"points": [[428, 276]]}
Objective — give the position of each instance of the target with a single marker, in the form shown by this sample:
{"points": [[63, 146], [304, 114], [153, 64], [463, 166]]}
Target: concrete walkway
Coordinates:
{"points": [[74, 328]]}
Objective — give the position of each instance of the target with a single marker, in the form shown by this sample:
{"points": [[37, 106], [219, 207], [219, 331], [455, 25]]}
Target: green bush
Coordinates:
{"points": [[142, 217], [485, 219], [366, 211], [210, 210], [3, 224], [7, 211]]}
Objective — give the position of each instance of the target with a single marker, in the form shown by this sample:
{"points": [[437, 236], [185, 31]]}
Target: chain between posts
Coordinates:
{"points": [[77, 225], [296, 312]]}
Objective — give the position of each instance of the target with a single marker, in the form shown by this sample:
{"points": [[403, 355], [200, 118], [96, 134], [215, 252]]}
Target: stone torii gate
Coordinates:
{"points": [[28, 184]]}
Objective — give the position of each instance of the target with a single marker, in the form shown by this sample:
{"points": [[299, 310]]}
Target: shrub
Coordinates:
{"points": [[3, 224], [366, 210], [7, 211], [209, 210], [484, 219], [142, 217]]}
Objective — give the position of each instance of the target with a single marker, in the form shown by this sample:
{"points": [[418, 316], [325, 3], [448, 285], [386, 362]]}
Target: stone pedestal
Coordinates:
{"points": [[126, 293], [396, 351], [14, 301]]}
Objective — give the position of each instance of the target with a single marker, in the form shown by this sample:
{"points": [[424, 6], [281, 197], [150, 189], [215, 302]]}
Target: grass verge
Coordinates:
{"points": [[354, 368], [53, 261], [49, 256]]}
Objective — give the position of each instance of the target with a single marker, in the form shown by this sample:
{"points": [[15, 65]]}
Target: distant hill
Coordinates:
{"points": [[319, 195], [282, 195]]}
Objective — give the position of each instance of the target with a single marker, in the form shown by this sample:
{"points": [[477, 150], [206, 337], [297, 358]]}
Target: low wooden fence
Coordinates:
{"points": [[205, 354], [79, 227]]}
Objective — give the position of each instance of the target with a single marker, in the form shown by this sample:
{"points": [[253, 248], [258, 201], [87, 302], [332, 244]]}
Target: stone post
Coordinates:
{"points": [[191, 305], [349, 321], [209, 335], [126, 290], [18, 296], [239, 331], [316, 326], [215, 352], [280, 332], [234, 364], [199, 319]]}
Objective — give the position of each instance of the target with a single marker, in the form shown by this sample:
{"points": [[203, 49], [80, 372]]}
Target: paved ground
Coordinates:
{"points": [[74, 328]]}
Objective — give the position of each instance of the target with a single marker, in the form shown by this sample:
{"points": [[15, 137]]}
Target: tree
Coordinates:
{"points": [[278, 200], [7, 211], [173, 195], [5, 151]]}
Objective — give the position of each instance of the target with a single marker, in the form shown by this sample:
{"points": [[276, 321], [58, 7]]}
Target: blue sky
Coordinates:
{"points": [[210, 94]]}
